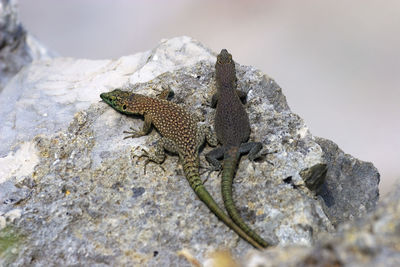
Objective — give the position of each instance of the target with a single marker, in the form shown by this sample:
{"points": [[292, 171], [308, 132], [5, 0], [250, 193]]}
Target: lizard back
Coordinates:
{"points": [[173, 122], [231, 120], [170, 119]]}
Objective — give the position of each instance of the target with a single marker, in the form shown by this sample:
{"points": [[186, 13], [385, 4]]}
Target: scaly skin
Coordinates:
{"points": [[181, 135], [233, 129]]}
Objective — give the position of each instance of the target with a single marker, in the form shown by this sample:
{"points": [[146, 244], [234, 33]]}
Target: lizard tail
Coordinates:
{"points": [[191, 170], [231, 158]]}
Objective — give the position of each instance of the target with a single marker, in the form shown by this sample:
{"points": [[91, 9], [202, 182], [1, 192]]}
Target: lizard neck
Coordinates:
{"points": [[140, 105]]}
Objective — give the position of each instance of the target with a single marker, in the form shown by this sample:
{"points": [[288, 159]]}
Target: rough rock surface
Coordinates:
{"points": [[77, 192], [17, 47], [347, 185], [370, 241]]}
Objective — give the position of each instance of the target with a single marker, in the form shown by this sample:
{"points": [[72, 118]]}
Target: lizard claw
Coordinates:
{"points": [[133, 133], [210, 170], [144, 155], [148, 160], [262, 156]]}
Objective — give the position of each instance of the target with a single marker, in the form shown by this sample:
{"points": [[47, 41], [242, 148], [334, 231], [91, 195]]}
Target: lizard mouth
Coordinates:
{"points": [[102, 96], [106, 98]]}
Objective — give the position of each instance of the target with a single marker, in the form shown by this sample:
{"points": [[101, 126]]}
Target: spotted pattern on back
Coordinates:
{"points": [[170, 119]]}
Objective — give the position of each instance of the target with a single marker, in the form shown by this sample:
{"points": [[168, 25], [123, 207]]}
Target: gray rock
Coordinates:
{"points": [[370, 241], [87, 199], [44, 96], [350, 188], [17, 47]]}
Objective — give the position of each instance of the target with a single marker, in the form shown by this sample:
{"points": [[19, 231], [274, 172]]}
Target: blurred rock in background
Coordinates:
{"points": [[17, 47]]}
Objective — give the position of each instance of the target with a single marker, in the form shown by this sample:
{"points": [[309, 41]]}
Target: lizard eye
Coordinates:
{"points": [[124, 107]]}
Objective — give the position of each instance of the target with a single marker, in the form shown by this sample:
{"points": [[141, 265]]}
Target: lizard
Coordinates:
{"points": [[232, 128], [181, 134]]}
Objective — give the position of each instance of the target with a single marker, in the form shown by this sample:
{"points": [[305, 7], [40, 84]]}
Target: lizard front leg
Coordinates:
{"points": [[242, 95], [214, 100], [145, 129]]}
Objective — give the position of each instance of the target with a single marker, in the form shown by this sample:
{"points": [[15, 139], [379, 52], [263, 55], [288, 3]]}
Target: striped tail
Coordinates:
{"points": [[231, 158], [191, 170]]}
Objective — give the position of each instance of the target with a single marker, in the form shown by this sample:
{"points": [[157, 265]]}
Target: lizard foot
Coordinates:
{"points": [[133, 134], [150, 158], [262, 155], [209, 170]]}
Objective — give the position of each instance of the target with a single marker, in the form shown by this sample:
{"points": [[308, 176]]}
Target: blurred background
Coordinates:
{"points": [[338, 62]]}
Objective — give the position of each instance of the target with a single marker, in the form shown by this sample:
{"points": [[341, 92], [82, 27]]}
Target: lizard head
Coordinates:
{"points": [[225, 69], [119, 100]]}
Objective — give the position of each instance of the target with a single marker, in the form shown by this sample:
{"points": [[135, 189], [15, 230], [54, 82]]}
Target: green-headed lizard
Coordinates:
{"points": [[181, 134], [233, 129]]}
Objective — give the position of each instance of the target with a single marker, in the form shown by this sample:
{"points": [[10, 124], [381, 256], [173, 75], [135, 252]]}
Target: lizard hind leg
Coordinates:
{"points": [[205, 133], [212, 158], [252, 148], [209, 135], [158, 153]]}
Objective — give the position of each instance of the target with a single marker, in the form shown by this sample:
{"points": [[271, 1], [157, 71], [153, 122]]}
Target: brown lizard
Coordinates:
{"points": [[181, 134], [233, 129]]}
